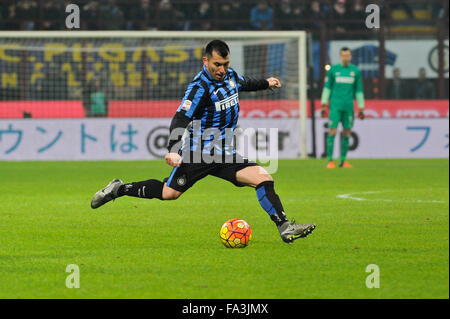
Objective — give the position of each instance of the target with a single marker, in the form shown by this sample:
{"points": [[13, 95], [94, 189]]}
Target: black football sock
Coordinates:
{"points": [[271, 203], [146, 189]]}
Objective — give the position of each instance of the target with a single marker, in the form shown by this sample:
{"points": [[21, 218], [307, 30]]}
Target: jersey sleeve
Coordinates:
{"points": [[245, 83], [329, 79], [359, 93], [192, 100], [328, 86]]}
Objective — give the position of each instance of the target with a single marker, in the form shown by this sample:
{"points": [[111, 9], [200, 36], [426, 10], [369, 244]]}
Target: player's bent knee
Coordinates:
{"points": [[170, 193], [266, 178], [347, 133], [261, 179], [262, 176]]}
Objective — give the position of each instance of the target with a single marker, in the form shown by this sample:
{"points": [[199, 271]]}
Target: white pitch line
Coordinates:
{"points": [[353, 197]]}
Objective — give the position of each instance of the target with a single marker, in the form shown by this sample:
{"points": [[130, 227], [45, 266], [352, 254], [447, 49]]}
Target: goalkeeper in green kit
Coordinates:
{"points": [[343, 84]]}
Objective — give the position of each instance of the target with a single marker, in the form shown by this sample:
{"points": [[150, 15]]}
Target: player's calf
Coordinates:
{"points": [[271, 203], [146, 189], [151, 188]]}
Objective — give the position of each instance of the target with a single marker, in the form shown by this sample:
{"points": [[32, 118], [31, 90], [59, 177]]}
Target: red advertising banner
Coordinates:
{"points": [[249, 109]]}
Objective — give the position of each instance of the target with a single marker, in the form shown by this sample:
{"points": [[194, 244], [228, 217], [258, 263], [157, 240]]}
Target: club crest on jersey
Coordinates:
{"points": [[186, 105], [181, 180], [352, 73], [232, 84], [227, 103]]}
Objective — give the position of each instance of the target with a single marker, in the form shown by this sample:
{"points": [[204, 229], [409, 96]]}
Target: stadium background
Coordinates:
{"points": [[59, 78]]}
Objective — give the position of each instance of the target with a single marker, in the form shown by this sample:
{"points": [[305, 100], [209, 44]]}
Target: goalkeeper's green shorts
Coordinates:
{"points": [[346, 117]]}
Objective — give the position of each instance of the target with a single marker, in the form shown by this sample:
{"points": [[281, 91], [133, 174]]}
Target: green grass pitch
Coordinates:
{"points": [[391, 213]]}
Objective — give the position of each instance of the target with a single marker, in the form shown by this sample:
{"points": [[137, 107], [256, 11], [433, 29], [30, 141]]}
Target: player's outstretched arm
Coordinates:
{"points": [[177, 128], [191, 103], [246, 83]]}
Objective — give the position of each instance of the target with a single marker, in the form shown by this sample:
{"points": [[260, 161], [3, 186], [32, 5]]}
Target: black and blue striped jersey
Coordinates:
{"points": [[210, 111]]}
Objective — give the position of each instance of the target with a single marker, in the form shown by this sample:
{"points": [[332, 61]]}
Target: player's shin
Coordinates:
{"points": [[330, 146], [270, 202], [146, 189], [344, 147]]}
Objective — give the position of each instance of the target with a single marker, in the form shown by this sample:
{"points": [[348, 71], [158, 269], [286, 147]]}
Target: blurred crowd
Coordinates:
{"points": [[421, 88], [345, 18], [341, 15]]}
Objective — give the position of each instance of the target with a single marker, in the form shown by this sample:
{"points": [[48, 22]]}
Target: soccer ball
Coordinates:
{"points": [[235, 233]]}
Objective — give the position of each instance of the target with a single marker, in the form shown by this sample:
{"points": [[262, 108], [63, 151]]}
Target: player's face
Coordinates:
{"points": [[217, 65], [346, 57]]}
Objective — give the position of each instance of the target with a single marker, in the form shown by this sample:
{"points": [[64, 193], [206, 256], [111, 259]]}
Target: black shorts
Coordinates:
{"points": [[183, 177]]}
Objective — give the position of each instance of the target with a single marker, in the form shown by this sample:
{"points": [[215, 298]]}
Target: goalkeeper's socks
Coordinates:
{"points": [[146, 189], [270, 202], [330, 147], [344, 147]]}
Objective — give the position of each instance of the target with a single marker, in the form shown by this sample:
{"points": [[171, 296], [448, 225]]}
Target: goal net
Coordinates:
{"points": [[142, 74]]}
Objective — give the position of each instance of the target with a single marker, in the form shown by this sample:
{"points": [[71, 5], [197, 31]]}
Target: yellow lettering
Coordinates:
{"points": [[112, 52], [76, 53], [71, 80], [6, 57], [36, 75], [134, 79], [136, 55], [89, 76], [130, 67], [98, 66], [151, 53], [198, 53], [178, 54], [9, 79], [182, 78], [52, 49], [154, 76], [118, 79], [88, 47], [66, 67], [114, 67]]}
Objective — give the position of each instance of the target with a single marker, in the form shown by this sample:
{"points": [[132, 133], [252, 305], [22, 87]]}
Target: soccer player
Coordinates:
{"points": [[343, 83], [209, 112]]}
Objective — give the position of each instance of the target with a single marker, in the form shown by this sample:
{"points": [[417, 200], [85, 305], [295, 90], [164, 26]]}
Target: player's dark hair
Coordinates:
{"points": [[219, 46], [345, 49]]}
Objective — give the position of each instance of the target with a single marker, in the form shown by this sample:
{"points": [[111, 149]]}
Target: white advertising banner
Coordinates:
{"points": [[142, 139], [392, 138], [130, 139], [407, 55]]}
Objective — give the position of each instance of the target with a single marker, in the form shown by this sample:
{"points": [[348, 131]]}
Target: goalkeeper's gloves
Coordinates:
{"points": [[324, 112], [361, 115]]}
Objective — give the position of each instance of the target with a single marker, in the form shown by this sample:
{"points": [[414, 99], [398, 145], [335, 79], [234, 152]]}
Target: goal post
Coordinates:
{"points": [[142, 72]]}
